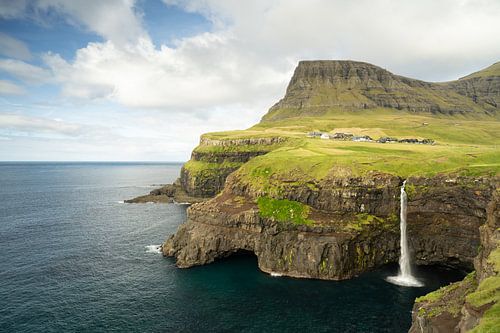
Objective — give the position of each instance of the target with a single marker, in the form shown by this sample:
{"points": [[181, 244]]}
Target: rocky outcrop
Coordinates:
{"points": [[214, 160], [317, 86], [471, 304], [484, 91], [445, 214], [170, 193], [205, 182], [326, 250], [482, 87], [204, 141], [355, 225], [211, 163]]}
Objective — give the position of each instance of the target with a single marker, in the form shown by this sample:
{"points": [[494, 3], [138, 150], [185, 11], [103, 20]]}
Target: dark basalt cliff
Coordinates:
{"points": [[217, 164], [471, 304], [356, 226]]}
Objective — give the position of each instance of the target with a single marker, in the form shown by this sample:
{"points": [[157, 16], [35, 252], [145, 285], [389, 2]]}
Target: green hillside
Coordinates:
{"points": [[466, 142]]}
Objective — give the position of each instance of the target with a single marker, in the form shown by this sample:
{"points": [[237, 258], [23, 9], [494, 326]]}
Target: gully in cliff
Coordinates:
{"points": [[405, 277]]}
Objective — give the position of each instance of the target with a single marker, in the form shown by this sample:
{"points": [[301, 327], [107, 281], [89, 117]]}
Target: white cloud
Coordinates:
{"points": [[428, 39], [13, 48], [115, 20], [10, 88], [31, 124], [201, 72], [25, 72], [106, 134]]}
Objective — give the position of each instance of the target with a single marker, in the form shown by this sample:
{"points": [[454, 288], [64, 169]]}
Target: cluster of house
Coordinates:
{"points": [[365, 138]]}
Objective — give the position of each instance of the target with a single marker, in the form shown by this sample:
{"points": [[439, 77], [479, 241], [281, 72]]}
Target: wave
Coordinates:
{"points": [[153, 249]]}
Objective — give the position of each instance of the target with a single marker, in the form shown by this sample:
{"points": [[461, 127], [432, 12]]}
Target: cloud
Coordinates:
{"points": [[106, 134], [25, 72], [20, 123], [115, 20], [12, 9], [10, 88], [14, 48], [200, 72], [427, 39]]}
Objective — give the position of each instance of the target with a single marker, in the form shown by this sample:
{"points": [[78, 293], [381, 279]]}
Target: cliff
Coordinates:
{"points": [[351, 225], [474, 303], [328, 209]]}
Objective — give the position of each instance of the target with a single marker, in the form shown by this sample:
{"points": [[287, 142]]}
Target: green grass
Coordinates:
{"points": [[237, 148], [437, 295], [197, 167], [494, 259], [477, 129], [493, 70], [490, 322], [364, 220], [464, 145], [284, 210], [449, 298], [487, 292]]}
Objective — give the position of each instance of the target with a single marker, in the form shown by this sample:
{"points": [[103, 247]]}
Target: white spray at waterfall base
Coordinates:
{"points": [[404, 278]]}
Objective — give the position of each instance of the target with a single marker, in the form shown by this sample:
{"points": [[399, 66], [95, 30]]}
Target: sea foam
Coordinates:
{"points": [[153, 248]]}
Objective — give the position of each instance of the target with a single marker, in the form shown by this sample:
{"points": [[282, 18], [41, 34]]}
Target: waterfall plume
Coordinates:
{"points": [[405, 277]]}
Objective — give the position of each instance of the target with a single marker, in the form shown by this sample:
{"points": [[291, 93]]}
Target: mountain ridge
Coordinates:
{"points": [[321, 85]]}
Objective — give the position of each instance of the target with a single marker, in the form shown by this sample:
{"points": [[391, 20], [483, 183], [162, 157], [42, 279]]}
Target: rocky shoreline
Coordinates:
{"points": [[170, 193]]}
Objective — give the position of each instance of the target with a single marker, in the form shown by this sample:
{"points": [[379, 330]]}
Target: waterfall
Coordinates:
{"points": [[404, 278]]}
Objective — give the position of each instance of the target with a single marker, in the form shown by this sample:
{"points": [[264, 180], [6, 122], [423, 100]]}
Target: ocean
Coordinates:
{"points": [[75, 258]]}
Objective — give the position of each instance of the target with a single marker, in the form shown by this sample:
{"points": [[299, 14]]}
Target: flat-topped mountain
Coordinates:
{"points": [[319, 86]]}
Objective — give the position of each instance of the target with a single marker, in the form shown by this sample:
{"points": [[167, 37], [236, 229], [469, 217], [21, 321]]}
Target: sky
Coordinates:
{"points": [[141, 80]]}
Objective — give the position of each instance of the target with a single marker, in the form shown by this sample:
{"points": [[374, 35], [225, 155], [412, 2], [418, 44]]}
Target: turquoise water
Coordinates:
{"points": [[73, 258]]}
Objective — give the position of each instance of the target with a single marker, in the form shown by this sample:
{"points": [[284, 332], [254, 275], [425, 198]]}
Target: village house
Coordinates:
{"points": [[364, 138]]}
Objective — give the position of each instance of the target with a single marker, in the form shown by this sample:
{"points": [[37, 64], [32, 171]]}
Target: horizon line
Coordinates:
{"points": [[86, 161]]}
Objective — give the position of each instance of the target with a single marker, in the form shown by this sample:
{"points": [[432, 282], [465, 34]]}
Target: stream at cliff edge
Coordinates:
{"points": [[75, 258]]}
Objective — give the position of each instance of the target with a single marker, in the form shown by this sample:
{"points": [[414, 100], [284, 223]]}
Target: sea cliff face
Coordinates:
{"points": [[336, 246], [355, 226], [471, 304], [213, 160]]}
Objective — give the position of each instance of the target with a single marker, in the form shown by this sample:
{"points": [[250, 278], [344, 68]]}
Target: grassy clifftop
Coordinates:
{"points": [[463, 144], [460, 116], [493, 70]]}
